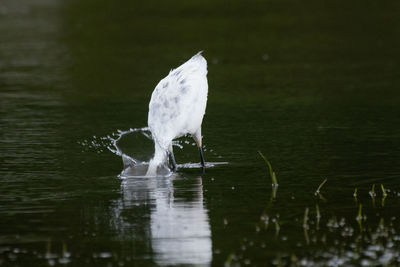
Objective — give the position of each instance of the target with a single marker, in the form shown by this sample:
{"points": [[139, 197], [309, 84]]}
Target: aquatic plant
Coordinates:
{"points": [[355, 192], [271, 172], [318, 216], [317, 192], [359, 217], [383, 191], [277, 226], [372, 192], [384, 195]]}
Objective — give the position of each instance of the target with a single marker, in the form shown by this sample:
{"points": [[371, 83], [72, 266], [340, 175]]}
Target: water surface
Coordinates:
{"points": [[313, 85]]}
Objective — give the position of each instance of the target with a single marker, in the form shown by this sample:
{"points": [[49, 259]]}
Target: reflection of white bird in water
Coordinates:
{"points": [[176, 108]]}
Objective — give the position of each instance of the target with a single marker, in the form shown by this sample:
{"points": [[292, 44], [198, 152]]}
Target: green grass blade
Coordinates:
{"points": [[271, 172], [320, 186]]}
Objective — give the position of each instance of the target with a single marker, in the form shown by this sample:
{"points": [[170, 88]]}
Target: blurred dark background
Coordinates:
{"points": [[312, 84]]}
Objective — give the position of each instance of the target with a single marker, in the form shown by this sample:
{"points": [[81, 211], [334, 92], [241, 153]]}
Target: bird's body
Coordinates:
{"points": [[177, 107]]}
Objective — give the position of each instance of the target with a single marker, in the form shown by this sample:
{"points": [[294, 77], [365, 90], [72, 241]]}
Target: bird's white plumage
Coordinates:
{"points": [[177, 106]]}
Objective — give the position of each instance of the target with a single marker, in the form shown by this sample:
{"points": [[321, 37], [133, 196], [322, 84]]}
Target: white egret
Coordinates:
{"points": [[176, 108]]}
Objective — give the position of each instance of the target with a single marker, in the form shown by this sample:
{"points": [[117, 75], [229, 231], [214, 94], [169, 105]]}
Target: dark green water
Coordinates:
{"points": [[314, 85]]}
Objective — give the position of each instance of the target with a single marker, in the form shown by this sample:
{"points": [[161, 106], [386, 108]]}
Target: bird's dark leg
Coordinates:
{"points": [[197, 137], [172, 158], [203, 164]]}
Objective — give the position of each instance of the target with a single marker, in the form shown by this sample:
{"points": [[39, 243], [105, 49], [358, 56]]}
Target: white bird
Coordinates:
{"points": [[176, 108]]}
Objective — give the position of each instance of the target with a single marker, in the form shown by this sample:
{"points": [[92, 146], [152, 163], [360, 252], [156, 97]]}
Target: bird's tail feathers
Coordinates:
{"points": [[197, 62], [199, 59]]}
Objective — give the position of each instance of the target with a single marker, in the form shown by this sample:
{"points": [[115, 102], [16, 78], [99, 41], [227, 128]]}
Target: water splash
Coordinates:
{"points": [[132, 166], [114, 148]]}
